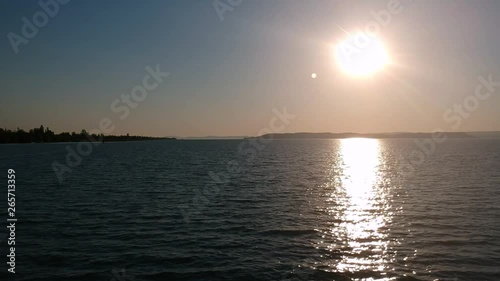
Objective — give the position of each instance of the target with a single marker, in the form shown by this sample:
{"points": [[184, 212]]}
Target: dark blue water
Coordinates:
{"points": [[289, 210]]}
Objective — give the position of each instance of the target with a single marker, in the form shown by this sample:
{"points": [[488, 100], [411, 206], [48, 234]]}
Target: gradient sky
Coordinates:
{"points": [[227, 76]]}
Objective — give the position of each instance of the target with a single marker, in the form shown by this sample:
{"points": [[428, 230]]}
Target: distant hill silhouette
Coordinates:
{"points": [[485, 134], [358, 135], [214, 138]]}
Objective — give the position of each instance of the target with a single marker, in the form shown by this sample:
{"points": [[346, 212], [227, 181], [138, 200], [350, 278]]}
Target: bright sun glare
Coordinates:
{"points": [[360, 56]]}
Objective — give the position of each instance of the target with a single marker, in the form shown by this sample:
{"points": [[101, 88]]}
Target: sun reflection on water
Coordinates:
{"points": [[357, 205]]}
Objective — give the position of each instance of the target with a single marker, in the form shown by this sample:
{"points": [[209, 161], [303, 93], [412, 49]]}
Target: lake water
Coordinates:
{"points": [[294, 210]]}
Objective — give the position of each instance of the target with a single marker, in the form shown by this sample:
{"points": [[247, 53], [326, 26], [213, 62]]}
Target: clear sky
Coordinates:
{"points": [[226, 76]]}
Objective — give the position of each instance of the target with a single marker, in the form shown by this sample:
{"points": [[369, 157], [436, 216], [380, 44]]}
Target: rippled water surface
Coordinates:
{"points": [[353, 209]]}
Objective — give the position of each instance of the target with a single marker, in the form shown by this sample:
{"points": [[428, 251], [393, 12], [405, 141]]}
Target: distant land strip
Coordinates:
{"points": [[375, 135], [45, 135]]}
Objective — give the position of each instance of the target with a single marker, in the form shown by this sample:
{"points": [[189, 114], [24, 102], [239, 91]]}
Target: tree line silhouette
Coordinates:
{"points": [[43, 135]]}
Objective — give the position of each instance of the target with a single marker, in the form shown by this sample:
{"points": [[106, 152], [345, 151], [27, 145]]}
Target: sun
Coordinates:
{"points": [[361, 55]]}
